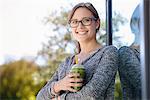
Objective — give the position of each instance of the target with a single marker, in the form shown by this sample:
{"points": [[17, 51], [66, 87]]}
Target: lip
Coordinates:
{"points": [[82, 32]]}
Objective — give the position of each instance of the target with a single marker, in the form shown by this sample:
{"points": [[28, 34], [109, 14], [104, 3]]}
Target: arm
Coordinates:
{"points": [[130, 72], [60, 83], [102, 78], [45, 93], [130, 61]]}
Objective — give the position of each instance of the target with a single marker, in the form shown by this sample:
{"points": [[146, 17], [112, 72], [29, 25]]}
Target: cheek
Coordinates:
{"points": [[93, 29], [73, 31]]}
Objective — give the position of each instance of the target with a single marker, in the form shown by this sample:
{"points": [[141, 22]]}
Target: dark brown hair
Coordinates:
{"points": [[91, 8], [87, 5]]}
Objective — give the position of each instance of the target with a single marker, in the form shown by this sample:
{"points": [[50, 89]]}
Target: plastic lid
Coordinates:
{"points": [[77, 66]]}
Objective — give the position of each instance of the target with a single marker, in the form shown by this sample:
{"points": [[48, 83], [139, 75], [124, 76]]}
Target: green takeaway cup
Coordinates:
{"points": [[78, 68]]}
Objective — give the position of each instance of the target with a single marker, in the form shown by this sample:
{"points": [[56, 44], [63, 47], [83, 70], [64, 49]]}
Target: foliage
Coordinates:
{"points": [[55, 49], [118, 20], [46, 72], [22, 79], [62, 35], [118, 91], [17, 81]]}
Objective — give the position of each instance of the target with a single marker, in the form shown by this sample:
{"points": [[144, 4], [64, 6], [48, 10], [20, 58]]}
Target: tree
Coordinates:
{"points": [[58, 42], [17, 81], [55, 49]]}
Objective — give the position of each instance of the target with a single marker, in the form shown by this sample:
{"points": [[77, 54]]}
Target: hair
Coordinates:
{"points": [[87, 5], [91, 8]]}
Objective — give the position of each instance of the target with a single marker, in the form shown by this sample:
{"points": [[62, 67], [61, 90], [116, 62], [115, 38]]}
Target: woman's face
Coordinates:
{"points": [[84, 33]]}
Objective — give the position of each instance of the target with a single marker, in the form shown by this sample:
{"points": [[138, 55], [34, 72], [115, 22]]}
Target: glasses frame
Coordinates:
{"points": [[81, 21]]}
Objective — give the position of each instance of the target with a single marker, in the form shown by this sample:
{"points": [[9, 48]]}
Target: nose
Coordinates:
{"points": [[80, 24]]}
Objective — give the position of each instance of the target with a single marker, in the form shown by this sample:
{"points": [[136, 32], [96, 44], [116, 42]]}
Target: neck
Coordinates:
{"points": [[86, 50], [88, 47]]}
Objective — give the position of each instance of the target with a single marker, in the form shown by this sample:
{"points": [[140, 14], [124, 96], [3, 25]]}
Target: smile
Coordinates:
{"points": [[82, 33]]}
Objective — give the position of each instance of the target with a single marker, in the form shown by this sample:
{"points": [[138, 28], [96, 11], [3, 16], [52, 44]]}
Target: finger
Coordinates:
{"points": [[75, 80], [71, 75], [71, 89], [79, 80], [77, 84]]}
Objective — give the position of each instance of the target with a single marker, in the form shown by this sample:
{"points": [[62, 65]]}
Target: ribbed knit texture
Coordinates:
{"points": [[101, 67], [130, 73]]}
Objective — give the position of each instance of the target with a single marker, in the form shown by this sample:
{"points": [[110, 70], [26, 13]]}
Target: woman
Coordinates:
{"points": [[100, 62]]}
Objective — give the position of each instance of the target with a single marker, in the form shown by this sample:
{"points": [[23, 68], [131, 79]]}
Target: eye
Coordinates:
{"points": [[74, 22], [86, 20]]}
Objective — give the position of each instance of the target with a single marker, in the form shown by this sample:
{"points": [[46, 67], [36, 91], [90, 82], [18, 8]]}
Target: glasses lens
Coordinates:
{"points": [[73, 23], [86, 21]]}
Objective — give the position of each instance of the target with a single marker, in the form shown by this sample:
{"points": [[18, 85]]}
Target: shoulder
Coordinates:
{"points": [[107, 52], [124, 48], [128, 52], [129, 49], [109, 49], [64, 65], [67, 60]]}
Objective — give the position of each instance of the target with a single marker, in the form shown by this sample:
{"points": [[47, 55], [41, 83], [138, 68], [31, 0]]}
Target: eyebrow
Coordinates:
{"points": [[85, 17]]}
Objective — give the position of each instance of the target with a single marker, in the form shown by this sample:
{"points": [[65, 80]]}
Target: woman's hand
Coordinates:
{"points": [[57, 98], [69, 81]]}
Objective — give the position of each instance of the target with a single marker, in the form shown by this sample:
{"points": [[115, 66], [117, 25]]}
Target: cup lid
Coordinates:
{"points": [[77, 66]]}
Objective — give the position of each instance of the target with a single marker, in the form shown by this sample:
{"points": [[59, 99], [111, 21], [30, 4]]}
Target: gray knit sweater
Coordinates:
{"points": [[101, 67], [130, 73]]}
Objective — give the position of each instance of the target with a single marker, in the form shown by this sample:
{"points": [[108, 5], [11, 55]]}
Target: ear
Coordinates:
{"points": [[98, 24]]}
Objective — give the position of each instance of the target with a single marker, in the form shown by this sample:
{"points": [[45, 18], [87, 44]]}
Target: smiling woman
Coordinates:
{"points": [[100, 62], [21, 25]]}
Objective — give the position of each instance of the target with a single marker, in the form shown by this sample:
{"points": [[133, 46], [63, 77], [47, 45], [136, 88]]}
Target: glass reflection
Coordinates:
{"points": [[129, 56], [135, 27], [130, 73]]}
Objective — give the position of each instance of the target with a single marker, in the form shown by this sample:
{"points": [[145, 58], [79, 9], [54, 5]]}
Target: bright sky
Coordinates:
{"points": [[22, 30]]}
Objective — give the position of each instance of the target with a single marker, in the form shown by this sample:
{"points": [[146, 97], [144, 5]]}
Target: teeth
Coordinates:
{"points": [[81, 33]]}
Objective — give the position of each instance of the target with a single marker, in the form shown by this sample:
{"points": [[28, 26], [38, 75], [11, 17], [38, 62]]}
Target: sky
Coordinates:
{"points": [[22, 29]]}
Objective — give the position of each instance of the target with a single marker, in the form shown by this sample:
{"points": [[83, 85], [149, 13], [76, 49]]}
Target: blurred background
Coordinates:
{"points": [[35, 39]]}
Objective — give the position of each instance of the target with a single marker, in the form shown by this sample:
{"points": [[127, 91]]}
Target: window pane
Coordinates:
{"points": [[123, 11], [126, 32]]}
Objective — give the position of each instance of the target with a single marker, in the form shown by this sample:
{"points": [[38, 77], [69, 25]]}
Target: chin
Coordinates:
{"points": [[82, 40]]}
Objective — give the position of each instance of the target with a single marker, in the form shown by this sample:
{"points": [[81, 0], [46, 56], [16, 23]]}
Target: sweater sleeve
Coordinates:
{"points": [[130, 72], [129, 66], [104, 74], [46, 92]]}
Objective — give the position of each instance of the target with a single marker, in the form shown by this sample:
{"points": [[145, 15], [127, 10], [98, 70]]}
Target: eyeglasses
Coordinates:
{"points": [[87, 4], [86, 21]]}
